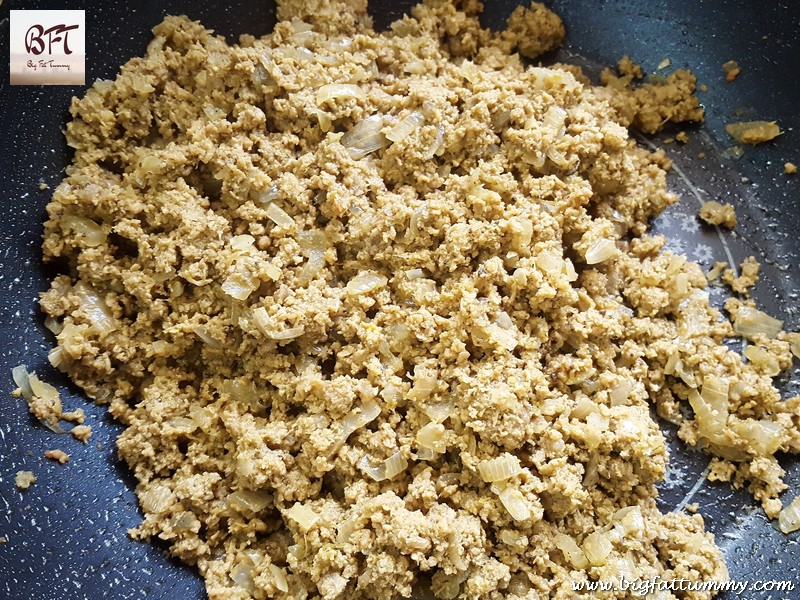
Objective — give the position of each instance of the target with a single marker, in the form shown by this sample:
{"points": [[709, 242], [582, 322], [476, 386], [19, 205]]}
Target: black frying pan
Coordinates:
{"points": [[67, 535]]}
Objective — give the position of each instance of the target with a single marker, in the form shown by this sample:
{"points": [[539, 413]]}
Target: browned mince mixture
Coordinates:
{"points": [[380, 310]]}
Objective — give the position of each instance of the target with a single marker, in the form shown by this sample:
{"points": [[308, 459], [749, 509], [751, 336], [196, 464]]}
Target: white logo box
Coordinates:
{"points": [[47, 47]]}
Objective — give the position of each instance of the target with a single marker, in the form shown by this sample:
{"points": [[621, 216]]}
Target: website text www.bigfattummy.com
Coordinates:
{"points": [[643, 587]]}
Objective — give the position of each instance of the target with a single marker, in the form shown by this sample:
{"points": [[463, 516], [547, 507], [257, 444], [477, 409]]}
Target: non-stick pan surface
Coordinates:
{"points": [[67, 535]]}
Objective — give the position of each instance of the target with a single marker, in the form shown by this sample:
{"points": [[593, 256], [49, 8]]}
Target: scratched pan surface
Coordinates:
{"points": [[67, 535]]}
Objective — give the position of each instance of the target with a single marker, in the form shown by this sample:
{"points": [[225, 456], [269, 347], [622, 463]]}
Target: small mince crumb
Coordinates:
{"points": [[731, 69], [747, 278], [701, 155], [703, 87], [715, 213], [43, 186], [716, 271], [664, 64], [790, 168], [74, 416], [24, 479], [692, 508], [3, 539], [57, 455], [682, 137], [82, 432]]}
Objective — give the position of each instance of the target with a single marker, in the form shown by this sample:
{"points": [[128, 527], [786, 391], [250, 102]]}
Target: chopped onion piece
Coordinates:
{"points": [[764, 436], [571, 550], [151, 165], [405, 127], [789, 517], [241, 243], [448, 586], [346, 529], [556, 156], [522, 230], [90, 232], [500, 468], [515, 503], [202, 417], [549, 261], [181, 424], [214, 112], [249, 500], [303, 515], [470, 71], [750, 322], [437, 146], [504, 321], [591, 474], [513, 538], [242, 575], [271, 271], [43, 389], [279, 578], [500, 119], [22, 380], [431, 436], [238, 287], [394, 465], [584, 406], [297, 53], [209, 341], [376, 473], [365, 282], [358, 418], [156, 499], [425, 380], [715, 391], [365, 137], [711, 406], [332, 91], [596, 547], [184, 522], [554, 119], [763, 359], [438, 411], [424, 453], [303, 38], [794, 339], [266, 196], [242, 390], [600, 251], [620, 393], [673, 363], [55, 356], [313, 245], [267, 326], [95, 308], [279, 216], [630, 520], [53, 324], [388, 469]]}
